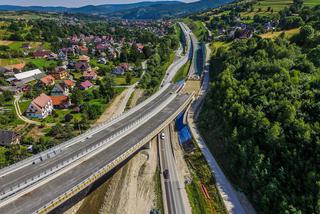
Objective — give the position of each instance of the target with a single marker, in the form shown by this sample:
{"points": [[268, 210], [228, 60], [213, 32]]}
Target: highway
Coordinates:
{"points": [[25, 173], [172, 185], [27, 186], [179, 61], [57, 185]]}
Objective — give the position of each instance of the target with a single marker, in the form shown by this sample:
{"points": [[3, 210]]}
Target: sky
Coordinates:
{"points": [[70, 3]]}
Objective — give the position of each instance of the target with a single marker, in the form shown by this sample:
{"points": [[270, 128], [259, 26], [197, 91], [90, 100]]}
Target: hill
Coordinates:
{"points": [[141, 10]]}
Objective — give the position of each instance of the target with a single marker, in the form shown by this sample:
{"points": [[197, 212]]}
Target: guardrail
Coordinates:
{"points": [[76, 189], [12, 190], [57, 149]]}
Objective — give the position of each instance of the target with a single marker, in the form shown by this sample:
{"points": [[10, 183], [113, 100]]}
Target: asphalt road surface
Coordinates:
{"points": [[57, 186], [26, 173], [175, 203]]}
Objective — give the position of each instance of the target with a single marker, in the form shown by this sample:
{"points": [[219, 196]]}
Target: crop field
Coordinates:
{"points": [[312, 2]]}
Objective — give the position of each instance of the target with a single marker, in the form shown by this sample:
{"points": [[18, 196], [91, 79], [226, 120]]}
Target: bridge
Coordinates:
{"points": [[43, 182]]}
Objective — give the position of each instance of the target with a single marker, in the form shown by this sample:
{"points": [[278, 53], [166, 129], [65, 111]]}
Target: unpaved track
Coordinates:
{"points": [[135, 194]]}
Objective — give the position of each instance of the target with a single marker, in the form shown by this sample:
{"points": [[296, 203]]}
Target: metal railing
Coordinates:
{"points": [[76, 189]]}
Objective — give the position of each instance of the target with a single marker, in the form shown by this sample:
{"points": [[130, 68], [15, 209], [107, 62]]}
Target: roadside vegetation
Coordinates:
{"points": [[158, 190], [183, 72], [203, 194], [264, 104], [197, 28]]}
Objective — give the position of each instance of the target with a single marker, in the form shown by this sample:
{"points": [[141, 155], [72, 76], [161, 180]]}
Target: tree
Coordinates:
{"points": [[314, 56], [128, 78], [68, 117], [77, 97]]}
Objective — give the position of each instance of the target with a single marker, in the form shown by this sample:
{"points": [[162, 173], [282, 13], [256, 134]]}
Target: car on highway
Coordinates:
{"points": [[162, 136], [166, 174]]}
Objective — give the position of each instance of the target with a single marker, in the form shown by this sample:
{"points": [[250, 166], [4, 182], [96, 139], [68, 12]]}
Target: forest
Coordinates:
{"points": [[261, 117]]}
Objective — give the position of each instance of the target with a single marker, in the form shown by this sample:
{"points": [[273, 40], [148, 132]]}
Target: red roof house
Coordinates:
{"points": [[60, 102], [47, 80]]}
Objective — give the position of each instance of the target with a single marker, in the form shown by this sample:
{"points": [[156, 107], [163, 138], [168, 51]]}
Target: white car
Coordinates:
{"points": [[162, 136]]}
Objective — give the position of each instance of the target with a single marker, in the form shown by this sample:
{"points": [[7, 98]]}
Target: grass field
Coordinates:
{"points": [[214, 46], [202, 175], [17, 45], [311, 2], [197, 28], [5, 62], [276, 6], [182, 73], [40, 63], [288, 33], [122, 80], [24, 104], [261, 7]]}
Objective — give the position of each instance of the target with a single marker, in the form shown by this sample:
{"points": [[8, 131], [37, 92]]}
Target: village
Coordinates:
{"points": [[60, 93]]}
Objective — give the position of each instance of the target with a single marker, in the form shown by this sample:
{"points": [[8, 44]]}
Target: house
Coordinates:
{"points": [[118, 71], [41, 54], [82, 65], [84, 58], [8, 138], [62, 56], [40, 107], [102, 60], [89, 75], [28, 76], [60, 102], [101, 47], [60, 73], [60, 89], [69, 83], [26, 46], [52, 56], [47, 80], [13, 68], [83, 50], [86, 85], [245, 34], [125, 66], [140, 47]]}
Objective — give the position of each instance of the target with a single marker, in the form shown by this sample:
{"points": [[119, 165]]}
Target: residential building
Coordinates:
{"points": [[86, 85], [60, 89], [82, 65], [83, 50], [125, 66], [8, 138], [60, 102], [47, 80], [89, 75], [118, 71], [60, 73], [69, 83], [40, 107], [41, 54]]}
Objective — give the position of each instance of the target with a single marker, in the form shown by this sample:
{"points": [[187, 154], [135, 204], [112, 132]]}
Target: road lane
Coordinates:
{"points": [[30, 171], [175, 203]]}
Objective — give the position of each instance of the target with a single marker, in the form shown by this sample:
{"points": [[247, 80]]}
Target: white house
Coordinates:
{"points": [[40, 107]]}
